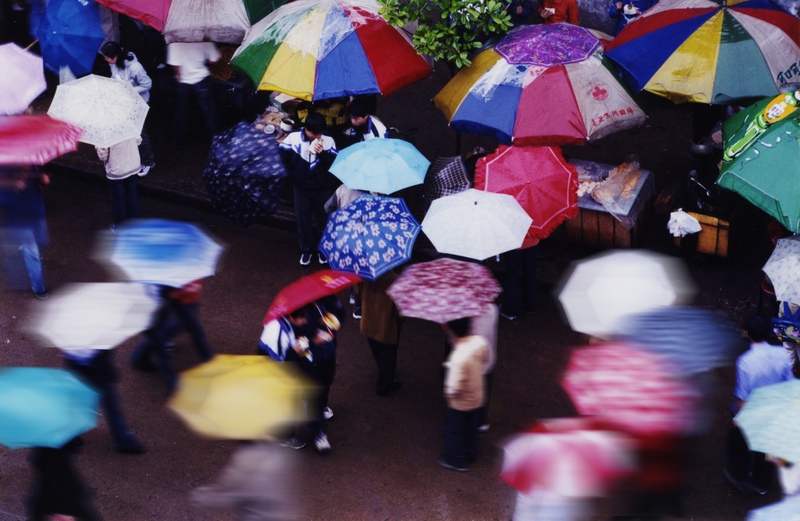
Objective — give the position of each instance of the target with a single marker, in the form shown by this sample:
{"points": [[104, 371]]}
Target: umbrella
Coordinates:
{"points": [[787, 509], [308, 289], [694, 339], [637, 390], [693, 50], [94, 315], [540, 85], [244, 173], [241, 397], [108, 110], [317, 49], [70, 35], [602, 290], [476, 224], [769, 420], [44, 407], [539, 178], [579, 463], [782, 268], [759, 142], [369, 236], [35, 140], [446, 176], [158, 251], [380, 165], [22, 80], [443, 290]]}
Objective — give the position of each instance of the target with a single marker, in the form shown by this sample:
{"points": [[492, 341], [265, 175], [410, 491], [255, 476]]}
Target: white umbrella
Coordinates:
{"points": [[476, 224], [603, 289], [769, 422], [109, 111], [22, 80], [782, 268], [786, 510]]}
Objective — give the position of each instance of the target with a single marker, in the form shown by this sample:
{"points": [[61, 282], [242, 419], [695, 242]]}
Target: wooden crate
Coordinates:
{"points": [[713, 237], [601, 229]]}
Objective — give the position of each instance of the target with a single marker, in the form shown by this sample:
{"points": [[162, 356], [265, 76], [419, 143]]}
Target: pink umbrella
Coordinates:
{"points": [[35, 140], [150, 12], [22, 79]]}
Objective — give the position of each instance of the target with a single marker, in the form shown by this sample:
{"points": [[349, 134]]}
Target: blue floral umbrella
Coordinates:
{"points": [[70, 35], [369, 236]]}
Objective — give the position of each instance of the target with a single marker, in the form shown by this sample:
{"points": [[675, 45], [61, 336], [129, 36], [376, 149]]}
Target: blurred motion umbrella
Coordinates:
{"points": [[539, 178], [70, 35], [308, 289], [244, 173], [476, 224], [637, 390], [443, 290], [787, 509], [44, 407], [94, 315], [22, 80], [369, 236], [240, 397], [770, 422], [602, 289], [446, 176], [783, 269], [380, 165], [35, 140], [108, 110], [159, 251]]}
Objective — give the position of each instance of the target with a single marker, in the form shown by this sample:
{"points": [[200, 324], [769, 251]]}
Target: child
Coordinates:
{"points": [[122, 164]]}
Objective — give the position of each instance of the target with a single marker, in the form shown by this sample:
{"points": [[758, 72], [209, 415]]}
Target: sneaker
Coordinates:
{"points": [[294, 443], [321, 443], [352, 299], [447, 465], [305, 259], [41, 295], [508, 316], [144, 170], [483, 428], [357, 314], [322, 258], [327, 413]]}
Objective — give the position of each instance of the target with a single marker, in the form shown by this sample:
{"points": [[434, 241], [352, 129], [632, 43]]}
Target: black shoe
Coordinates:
{"points": [[305, 259], [41, 295], [129, 445], [322, 258], [745, 486], [392, 388], [450, 466]]}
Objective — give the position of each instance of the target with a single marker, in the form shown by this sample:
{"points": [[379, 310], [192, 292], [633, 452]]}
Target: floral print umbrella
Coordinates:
{"points": [[783, 269]]}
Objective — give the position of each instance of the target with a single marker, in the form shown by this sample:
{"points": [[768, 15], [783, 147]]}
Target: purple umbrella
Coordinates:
{"points": [[547, 45]]}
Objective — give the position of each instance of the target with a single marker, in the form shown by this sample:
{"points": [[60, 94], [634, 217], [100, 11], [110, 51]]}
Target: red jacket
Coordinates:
{"points": [[565, 11]]}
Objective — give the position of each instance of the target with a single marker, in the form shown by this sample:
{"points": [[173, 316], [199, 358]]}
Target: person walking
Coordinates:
{"points": [[380, 324], [122, 165], [520, 281]]}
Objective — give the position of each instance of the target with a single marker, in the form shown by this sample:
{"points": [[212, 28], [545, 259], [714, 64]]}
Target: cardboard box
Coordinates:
{"points": [[712, 239]]}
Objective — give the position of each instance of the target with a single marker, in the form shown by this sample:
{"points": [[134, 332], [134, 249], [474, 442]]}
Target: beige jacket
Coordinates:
{"points": [[463, 385], [121, 160]]}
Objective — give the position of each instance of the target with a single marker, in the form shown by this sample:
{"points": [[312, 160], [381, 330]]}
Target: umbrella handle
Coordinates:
{"points": [[28, 48]]}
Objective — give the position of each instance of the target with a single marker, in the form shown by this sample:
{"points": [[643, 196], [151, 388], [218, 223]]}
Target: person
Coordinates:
{"points": [[364, 126], [308, 155], [521, 260], [122, 165], [465, 395], [189, 62], [557, 11], [341, 198], [126, 67], [380, 324], [624, 12], [520, 11], [761, 365]]}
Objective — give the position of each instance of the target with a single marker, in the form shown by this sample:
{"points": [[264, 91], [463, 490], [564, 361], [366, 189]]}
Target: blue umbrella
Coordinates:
{"points": [[44, 407], [380, 165], [70, 35], [369, 236]]}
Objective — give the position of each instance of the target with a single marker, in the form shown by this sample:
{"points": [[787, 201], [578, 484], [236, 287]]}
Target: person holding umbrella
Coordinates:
{"points": [[380, 324]]}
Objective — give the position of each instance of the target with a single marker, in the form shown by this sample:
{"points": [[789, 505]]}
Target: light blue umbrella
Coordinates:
{"points": [[369, 236], [770, 422], [786, 510], [380, 165], [44, 407]]}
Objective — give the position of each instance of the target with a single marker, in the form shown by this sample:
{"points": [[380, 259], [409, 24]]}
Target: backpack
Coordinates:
{"points": [[787, 328]]}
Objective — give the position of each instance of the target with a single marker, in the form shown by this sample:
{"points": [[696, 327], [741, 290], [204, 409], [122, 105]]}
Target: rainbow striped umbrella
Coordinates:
{"points": [[695, 50]]}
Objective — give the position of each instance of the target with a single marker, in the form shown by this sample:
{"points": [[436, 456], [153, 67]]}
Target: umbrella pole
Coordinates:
{"points": [[458, 143], [28, 48]]}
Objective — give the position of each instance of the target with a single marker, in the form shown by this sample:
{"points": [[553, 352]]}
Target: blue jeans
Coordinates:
{"points": [[203, 94], [460, 430], [23, 240], [124, 199]]}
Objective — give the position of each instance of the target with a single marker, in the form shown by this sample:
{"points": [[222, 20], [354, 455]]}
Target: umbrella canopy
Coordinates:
{"points": [[70, 35], [44, 407], [693, 50], [22, 80], [696, 340], [782, 268], [35, 140], [443, 290], [317, 49], [541, 85], [787, 509], [93, 316], [539, 178], [380, 165], [240, 397], [603, 289], [759, 142], [369, 236], [446, 176], [108, 110], [158, 251], [637, 390], [769, 420], [308, 289], [244, 173], [476, 224]]}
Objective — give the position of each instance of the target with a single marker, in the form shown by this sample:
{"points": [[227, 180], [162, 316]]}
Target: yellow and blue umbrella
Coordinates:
{"points": [[710, 51]]}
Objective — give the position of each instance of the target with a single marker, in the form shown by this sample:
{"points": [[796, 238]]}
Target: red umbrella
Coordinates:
{"points": [[539, 178], [35, 140], [308, 289]]}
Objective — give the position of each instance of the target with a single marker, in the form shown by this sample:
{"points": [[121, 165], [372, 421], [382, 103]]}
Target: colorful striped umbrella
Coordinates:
{"points": [[541, 85], [695, 50], [317, 49]]}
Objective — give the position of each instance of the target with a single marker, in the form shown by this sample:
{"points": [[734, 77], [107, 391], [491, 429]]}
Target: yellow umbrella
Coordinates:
{"points": [[243, 397]]}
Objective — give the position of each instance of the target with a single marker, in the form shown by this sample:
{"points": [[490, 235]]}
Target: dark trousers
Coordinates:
{"points": [[146, 150], [57, 487], [203, 94], [744, 464], [460, 430], [385, 356], [310, 204], [322, 373], [124, 199], [520, 279]]}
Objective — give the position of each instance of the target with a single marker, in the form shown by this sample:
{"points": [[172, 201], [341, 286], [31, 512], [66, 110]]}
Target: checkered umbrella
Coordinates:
{"points": [[446, 176]]}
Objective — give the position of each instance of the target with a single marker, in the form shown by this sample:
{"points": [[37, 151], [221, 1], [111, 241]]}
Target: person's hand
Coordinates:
{"points": [[317, 146]]}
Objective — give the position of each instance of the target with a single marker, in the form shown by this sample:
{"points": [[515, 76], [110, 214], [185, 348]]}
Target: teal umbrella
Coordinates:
{"points": [[762, 150], [769, 420], [44, 407], [380, 165]]}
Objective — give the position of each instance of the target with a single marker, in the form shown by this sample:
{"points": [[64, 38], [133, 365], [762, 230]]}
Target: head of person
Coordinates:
{"points": [[113, 54], [358, 111], [757, 328], [298, 317], [459, 327], [314, 126]]}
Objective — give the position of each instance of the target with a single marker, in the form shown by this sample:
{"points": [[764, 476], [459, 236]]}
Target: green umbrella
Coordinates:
{"points": [[762, 150], [769, 422]]}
